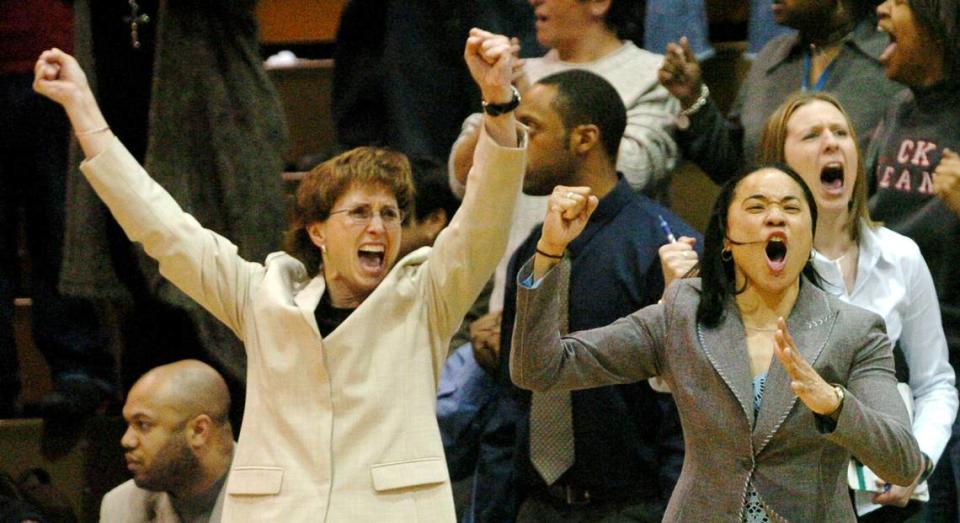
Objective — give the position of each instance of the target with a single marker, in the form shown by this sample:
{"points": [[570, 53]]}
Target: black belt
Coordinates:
{"points": [[569, 494], [573, 495]]}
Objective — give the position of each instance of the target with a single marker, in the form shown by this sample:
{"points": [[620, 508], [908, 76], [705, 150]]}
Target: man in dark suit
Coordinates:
{"points": [[611, 453]]}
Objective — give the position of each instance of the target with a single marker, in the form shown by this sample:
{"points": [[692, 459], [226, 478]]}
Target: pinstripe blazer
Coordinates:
{"points": [[796, 460]]}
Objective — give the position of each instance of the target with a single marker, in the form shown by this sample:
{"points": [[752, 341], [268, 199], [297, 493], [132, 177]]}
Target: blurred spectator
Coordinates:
{"points": [[399, 79], [836, 49], [913, 159], [182, 86], [34, 137]]}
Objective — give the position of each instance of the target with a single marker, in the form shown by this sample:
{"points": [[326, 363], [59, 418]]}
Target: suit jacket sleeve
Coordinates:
{"points": [[198, 261], [467, 251], [873, 423], [625, 351]]}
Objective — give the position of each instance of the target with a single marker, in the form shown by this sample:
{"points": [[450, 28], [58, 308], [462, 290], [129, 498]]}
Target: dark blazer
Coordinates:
{"points": [[796, 460]]}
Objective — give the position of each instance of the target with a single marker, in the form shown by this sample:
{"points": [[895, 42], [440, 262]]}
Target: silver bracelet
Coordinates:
{"points": [[92, 131], [701, 101]]}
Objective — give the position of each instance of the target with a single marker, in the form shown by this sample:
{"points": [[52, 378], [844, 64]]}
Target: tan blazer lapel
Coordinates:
{"points": [[308, 299], [810, 323], [725, 347]]}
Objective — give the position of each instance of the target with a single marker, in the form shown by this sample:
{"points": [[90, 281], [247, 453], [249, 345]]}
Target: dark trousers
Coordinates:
{"points": [[33, 169], [945, 482], [541, 507]]}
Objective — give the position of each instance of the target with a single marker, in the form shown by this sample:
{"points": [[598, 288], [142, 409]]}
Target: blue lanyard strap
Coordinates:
{"points": [[805, 83]]}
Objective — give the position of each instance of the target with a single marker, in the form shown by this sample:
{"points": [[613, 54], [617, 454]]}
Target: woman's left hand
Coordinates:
{"points": [[818, 395], [946, 180]]}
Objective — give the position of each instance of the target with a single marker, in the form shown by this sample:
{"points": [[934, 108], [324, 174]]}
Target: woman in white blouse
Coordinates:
{"points": [[871, 266]]}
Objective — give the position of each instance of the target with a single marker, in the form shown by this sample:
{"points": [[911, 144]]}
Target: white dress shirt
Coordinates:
{"points": [[893, 281]]}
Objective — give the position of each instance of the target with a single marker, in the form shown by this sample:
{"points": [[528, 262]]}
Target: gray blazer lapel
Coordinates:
{"points": [[810, 323], [725, 347], [308, 299]]}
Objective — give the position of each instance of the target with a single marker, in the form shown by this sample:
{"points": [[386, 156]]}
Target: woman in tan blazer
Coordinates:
{"points": [[344, 346], [765, 437]]}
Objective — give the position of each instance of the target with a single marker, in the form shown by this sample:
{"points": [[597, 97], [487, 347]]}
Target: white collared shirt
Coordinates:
{"points": [[893, 281]]}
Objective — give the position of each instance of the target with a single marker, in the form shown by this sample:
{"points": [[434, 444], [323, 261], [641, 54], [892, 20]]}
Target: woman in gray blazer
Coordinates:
{"points": [[753, 451]]}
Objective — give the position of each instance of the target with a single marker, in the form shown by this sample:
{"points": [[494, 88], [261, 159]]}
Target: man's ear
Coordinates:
{"points": [[199, 430], [317, 233], [434, 222], [584, 138]]}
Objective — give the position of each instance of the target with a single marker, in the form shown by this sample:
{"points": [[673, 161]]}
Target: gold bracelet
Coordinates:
{"points": [[92, 131]]}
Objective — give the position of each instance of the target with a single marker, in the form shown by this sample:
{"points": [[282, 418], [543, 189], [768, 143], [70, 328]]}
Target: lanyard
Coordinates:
{"points": [[805, 83]]}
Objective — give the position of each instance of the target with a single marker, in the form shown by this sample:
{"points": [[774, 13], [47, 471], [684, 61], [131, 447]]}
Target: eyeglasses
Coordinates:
{"points": [[362, 214]]}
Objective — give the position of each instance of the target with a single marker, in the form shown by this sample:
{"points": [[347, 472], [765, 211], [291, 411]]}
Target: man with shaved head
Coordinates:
{"points": [[178, 446]]}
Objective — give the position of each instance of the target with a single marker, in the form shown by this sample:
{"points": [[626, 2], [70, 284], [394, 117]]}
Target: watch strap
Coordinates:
{"points": [[499, 109]]}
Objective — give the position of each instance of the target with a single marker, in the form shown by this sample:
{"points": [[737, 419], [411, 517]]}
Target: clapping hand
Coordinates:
{"points": [[680, 73], [946, 180], [818, 395]]}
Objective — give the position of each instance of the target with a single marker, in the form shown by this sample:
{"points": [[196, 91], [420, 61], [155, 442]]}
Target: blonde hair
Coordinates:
{"points": [[774, 137]]}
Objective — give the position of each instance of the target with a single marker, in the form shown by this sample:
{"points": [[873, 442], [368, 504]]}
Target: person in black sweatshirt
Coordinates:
{"points": [[913, 158]]}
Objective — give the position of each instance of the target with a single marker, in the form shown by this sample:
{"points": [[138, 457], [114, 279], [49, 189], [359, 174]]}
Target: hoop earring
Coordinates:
{"points": [[726, 255]]}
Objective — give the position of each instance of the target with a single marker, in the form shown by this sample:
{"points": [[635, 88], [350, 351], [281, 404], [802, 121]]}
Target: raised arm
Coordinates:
{"points": [[59, 77], [201, 263], [540, 359], [710, 140], [462, 152], [468, 250]]}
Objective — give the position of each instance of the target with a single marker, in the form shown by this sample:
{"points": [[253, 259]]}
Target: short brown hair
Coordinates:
{"points": [[325, 183], [772, 150]]}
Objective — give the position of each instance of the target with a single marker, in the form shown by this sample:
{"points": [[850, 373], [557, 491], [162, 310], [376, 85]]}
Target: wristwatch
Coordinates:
{"points": [[498, 109]]}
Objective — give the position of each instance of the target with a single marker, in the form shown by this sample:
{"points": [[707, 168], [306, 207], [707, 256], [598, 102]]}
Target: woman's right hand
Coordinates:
{"points": [[59, 77], [680, 73], [568, 210]]}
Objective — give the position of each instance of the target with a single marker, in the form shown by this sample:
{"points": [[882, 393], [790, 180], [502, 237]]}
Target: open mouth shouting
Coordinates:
{"points": [[831, 178], [372, 258], [776, 252]]}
